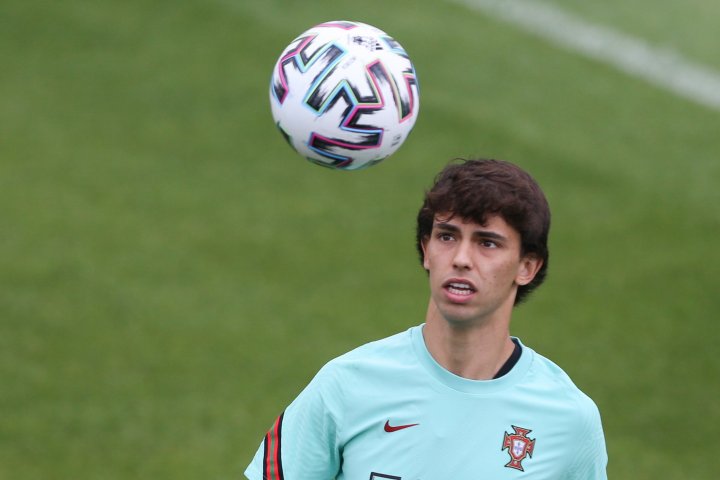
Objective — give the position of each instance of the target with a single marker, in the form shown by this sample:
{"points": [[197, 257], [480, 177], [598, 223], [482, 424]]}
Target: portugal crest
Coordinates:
{"points": [[518, 446]]}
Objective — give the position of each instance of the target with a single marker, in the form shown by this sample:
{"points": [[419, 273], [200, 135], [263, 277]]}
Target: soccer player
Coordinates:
{"points": [[456, 397]]}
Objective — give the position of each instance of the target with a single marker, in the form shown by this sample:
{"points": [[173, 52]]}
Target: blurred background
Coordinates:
{"points": [[172, 274]]}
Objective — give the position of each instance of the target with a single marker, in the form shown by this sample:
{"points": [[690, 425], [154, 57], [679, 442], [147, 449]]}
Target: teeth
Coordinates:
{"points": [[459, 288], [457, 291]]}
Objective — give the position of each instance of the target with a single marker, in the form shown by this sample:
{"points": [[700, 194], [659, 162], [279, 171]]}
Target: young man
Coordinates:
{"points": [[457, 397]]}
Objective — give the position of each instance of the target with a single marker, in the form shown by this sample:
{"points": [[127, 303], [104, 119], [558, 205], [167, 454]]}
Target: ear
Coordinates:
{"points": [[423, 245], [529, 266]]}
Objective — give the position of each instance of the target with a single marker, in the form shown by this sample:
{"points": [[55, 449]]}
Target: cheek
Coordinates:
{"points": [[508, 272]]}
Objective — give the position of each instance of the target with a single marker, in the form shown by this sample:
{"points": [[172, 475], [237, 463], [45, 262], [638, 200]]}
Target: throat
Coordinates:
{"points": [[471, 354]]}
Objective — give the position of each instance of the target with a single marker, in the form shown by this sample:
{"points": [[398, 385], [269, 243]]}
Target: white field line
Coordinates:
{"points": [[631, 55]]}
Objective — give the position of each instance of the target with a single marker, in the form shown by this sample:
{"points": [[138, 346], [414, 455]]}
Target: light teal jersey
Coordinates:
{"points": [[387, 410]]}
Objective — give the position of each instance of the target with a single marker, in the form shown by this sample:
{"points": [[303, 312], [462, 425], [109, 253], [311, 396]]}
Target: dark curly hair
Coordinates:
{"points": [[474, 189]]}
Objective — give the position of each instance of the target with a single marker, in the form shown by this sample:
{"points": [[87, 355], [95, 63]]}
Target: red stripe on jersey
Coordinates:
{"points": [[272, 465]]}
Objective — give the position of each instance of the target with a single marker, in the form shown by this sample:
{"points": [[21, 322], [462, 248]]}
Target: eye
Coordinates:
{"points": [[489, 244], [445, 237]]}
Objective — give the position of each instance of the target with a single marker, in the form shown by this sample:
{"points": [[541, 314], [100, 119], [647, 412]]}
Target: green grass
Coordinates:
{"points": [[171, 274], [681, 27]]}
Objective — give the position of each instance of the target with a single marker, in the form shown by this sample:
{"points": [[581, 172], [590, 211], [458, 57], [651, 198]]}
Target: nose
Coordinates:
{"points": [[462, 259]]}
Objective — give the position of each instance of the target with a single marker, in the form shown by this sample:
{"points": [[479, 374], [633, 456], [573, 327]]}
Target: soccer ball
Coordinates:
{"points": [[344, 95]]}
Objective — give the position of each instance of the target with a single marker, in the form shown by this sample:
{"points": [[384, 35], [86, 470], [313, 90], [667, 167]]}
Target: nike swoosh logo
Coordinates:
{"points": [[389, 428]]}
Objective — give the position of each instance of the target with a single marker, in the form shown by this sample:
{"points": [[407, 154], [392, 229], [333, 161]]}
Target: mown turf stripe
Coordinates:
{"points": [[631, 55]]}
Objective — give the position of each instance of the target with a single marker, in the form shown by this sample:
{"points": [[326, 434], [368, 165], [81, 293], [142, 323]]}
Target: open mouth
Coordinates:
{"points": [[460, 287]]}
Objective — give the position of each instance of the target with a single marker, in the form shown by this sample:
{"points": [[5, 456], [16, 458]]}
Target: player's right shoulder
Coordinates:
{"points": [[369, 360], [378, 352]]}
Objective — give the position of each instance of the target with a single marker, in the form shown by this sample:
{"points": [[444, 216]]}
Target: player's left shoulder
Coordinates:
{"points": [[558, 383]]}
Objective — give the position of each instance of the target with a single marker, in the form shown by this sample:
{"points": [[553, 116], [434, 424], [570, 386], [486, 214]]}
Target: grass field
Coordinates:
{"points": [[171, 274]]}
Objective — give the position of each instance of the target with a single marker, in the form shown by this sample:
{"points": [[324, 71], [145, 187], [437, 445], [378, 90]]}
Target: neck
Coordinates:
{"points": [[471, 350]]}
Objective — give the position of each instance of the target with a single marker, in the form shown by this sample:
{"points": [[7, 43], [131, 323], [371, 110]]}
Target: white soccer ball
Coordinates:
{"points": [[344, 95]]}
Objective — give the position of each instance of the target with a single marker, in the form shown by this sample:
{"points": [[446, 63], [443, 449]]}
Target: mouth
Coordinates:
{"points": [[459, 288]]}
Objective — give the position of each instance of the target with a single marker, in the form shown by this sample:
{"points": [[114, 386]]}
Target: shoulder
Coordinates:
{"points": [[384, 354], [570, 410], [380, 349], [577, 414], [368, 367], [546, 374]]}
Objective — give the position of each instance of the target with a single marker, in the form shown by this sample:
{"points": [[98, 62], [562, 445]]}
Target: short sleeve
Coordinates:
{"points": [[591, 454], [303, 441]]}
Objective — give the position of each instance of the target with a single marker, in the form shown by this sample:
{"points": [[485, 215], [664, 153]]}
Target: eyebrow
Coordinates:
{"points": [[449, 227]]}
